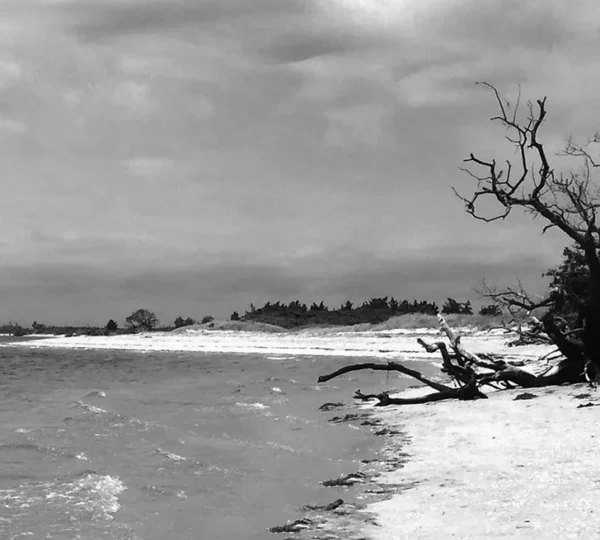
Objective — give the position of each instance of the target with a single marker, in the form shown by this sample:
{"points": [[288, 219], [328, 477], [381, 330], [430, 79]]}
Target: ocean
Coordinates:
{"points": [[179, 446]]}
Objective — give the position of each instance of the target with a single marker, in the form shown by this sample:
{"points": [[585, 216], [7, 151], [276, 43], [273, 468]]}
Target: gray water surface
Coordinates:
{"points": [[121, 445]]}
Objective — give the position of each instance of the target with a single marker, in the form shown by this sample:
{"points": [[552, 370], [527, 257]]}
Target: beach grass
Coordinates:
{"points": [[400, 322], [238, 326], [412, 322]]}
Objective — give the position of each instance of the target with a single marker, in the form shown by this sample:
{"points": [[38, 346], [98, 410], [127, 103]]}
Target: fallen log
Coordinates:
{"points": [[293, 526], [390, 366], [460, 365], [324, 508], [465, 392], [348, 480]]}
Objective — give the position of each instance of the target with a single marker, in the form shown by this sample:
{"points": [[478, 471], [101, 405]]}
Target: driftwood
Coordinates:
{"points": [[348, 480], [391, 366], [325, 508], [293, 526], [468, 372], [331, 406]]}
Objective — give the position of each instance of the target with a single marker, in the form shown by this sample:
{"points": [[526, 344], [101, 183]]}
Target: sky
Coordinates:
{"points": [[194, 156]]}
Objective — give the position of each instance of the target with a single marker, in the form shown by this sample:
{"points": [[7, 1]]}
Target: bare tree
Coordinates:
{"points": [[567, 201]]}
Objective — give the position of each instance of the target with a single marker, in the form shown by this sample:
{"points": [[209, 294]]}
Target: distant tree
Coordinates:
{"points": [[207, 319], [490, 310], [347, 306], [180, 322], [318, 307], [37, 327], [466, 308], [235, 316], [296, 305], [111, 326], [570, 285], [451, 306], [142, 319], [19, 331], [377, 303]]}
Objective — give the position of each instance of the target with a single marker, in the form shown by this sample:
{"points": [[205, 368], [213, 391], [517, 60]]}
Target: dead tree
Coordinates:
{"points": [[467, 372], [465, 391], [566, 201]]}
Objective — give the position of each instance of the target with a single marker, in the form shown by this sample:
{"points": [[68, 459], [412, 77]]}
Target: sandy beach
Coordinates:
{"points": [[496, 468], [505, 467], [399, 344]]}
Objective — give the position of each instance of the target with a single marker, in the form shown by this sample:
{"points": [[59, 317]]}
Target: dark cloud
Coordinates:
{"points": [[59, 293], [319, 167], [97, 21], [297, 47]]}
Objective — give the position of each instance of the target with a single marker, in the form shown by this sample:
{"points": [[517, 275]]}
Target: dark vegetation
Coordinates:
{"points": [[296, 314], [452, 306], [293, 315], [181, 322], [569, 314], [142, 319]]}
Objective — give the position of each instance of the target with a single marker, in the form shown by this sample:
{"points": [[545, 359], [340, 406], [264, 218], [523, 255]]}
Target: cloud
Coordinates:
{"points": [[310, 143], [358, 125], [148, 166], [15, 127], [95, 21], [10, 72]]}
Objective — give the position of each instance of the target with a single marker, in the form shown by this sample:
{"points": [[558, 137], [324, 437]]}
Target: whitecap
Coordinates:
{"points": [[252, 405], [170, 455], [97, 393], [91, 408], [105, 490]]}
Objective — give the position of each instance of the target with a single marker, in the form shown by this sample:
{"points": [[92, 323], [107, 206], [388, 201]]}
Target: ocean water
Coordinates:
{"points": [[154, 446]]}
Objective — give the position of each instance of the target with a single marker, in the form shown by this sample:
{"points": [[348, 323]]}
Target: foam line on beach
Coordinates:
{"points": [[383, 344]]}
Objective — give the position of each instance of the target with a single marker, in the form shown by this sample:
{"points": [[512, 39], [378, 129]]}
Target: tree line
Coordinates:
{"points": [[373, 311], [292, 315]]}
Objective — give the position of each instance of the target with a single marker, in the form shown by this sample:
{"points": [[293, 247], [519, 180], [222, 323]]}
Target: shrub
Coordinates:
{"points": [[490, 310], [142, 319]]}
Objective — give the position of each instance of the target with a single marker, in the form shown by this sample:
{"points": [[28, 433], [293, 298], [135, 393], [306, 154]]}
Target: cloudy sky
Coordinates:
{"points": [[193, 156]]}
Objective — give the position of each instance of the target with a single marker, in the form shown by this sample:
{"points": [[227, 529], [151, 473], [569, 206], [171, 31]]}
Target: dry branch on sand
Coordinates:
{"points": [[467, 371]]}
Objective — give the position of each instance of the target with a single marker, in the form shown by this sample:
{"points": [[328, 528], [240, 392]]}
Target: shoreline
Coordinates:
{"points": [[495, 468], [399, 344]]}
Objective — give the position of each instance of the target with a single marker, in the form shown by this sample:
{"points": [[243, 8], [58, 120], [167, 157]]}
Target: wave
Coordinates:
{"points": [[91, 408], [121, 418], [102, 493], [49, 450], [85, 496], [96, 393], [170, 455], [259, 406]]}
